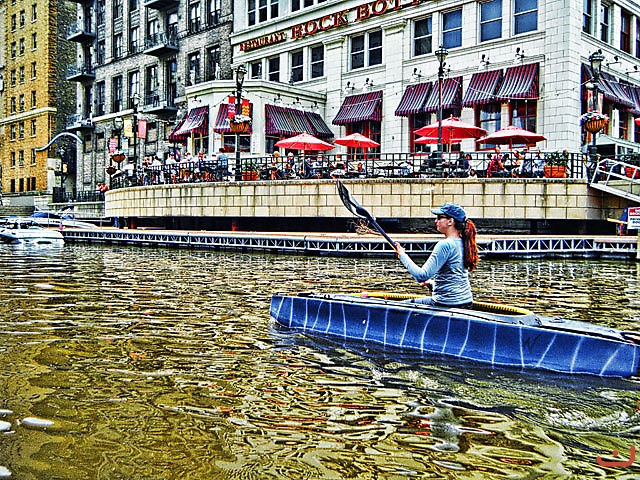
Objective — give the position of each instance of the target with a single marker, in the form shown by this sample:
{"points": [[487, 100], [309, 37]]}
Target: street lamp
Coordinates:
{"points": [[595, 59], [441, 55], [135, 100], [240, 73]]}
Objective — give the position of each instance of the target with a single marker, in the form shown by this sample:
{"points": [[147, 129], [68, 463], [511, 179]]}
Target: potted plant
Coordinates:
{"points": [[593, 122], [250, 171], [555, 165]]}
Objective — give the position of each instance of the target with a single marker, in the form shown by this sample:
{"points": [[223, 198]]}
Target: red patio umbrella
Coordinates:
{"points": [[356, 140], [434, 140], [304, 142], [510, 135], [452, 129]]}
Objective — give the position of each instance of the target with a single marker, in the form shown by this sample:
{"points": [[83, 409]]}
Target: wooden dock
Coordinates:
{"points": [[356, 245]]}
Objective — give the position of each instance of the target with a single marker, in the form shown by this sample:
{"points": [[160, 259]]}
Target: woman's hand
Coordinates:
{"points": [[399, 249]]}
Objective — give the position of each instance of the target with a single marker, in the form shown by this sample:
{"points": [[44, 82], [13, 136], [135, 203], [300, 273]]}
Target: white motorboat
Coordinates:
{"points": [[24, 232], [46, 218]]}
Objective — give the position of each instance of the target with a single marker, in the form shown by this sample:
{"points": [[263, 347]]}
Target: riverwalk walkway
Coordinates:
{"points": [[355, 244]]}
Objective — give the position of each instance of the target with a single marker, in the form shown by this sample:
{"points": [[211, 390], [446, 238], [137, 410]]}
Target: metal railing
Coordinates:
{"points": [[619, 176], [358, 165]]}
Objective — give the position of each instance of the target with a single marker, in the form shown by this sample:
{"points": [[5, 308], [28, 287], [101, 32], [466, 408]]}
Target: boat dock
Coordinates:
{"points": [[354, 244]]}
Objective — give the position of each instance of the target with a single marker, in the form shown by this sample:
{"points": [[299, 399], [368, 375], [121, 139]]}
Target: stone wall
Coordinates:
{"points": [[529, 199]]}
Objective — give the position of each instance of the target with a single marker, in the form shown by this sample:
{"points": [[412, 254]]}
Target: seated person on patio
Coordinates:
{"points": [[406, 168], [496, 168], [462, 165], [222, 166]]}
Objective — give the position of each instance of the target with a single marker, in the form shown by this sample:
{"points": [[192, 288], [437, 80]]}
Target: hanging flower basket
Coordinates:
{"points": [[110, 170], [118, 157], [593, 122]]}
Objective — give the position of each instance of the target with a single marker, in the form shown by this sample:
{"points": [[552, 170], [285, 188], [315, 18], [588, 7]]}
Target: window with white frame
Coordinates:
{"points": [[101, 52], [366, 50], [587, 16], [21, 74], [490, 20], [452, 29], [116, 94], [14, 77], [260, 11], [34, 12], [317, 61], [213, 63], [422, 37], [255, 70], [34, 98], [274, 69], [100, 98], [134, 34], [22, 103], [13, 154], [14, 136], [194, 17], [213, 12], [625, 31], [34, 70], [298, 4], [525, 16], [605, 21], [297, 66], [117, 46], [134, 83], [117, 8]]}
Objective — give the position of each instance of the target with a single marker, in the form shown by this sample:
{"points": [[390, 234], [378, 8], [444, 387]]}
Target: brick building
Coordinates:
{"points": [[33, 98]]}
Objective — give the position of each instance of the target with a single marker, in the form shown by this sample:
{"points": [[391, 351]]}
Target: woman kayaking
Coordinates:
{"points": [[447, 268]]}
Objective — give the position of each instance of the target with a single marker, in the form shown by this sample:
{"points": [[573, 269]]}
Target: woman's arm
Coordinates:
{"points": [[432, 266]]}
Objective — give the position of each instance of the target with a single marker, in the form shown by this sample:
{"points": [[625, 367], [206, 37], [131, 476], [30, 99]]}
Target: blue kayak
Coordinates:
{"points": [[489, 333]]}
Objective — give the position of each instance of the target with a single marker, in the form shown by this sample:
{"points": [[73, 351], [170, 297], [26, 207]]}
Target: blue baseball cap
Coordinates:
{"points": [[452, 210]]}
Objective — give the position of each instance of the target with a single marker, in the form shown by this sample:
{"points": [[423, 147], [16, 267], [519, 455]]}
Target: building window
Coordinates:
{"points": [[194, 18], [14, 78], [194, 68], [172, 26], [297, 66], [100, 9], [366, 50], [21, 74], [525, 16], [637, 37], [213, 63], [100, 98], [274, 69], [33, 160], [134, 33], [14, 49], [34, 12], [260, 11], [21, 102], [151, 85], [298, 4], [21, 46], [587, 16], [488, 117], [34, 97], [21, 163], [23, 18], [14, 22], [101, 53], [117, 46], [14, 106], [213, 12], [117, 9], [523, 114], [623, 125], [116, 93], [625, 31], [14, 135], [133, 5], [422, 37], [34, 41], [134, 84], [490, 20], [605, 20], [317, 61], [34, 70], [255, 70], [21, 136], [13, 161], [452, 29]]}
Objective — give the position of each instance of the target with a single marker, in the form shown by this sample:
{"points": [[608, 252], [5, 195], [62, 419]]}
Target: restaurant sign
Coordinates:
{"points": [[329, 21]]}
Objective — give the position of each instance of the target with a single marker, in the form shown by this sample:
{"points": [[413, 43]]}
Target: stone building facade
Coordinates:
{"points": [[34, 99], [135, 60]]}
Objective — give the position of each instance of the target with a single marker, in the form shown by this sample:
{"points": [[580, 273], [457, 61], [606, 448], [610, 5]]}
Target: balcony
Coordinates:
{"points": [[159, 104], [160, 44], [161, 4], [80, 32], [80, 73], [79, 122]]}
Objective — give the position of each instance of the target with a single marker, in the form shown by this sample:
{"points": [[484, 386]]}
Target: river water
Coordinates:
{"points": [[164, 364]]}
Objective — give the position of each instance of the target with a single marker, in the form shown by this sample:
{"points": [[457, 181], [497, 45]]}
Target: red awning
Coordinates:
{"points": [[519, 83], [174, 137], [284, 121], [321, 129], [451, 95], [413, 99], [195, 122], [222, 125], [482, 88], [361, 107], [634, 93], [609, 87]]}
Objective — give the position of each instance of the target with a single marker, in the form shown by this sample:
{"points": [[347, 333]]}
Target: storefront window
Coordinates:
{"points": [[422, 37]]}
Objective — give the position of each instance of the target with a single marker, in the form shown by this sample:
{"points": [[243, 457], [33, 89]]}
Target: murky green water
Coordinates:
{"points": [[165, 365]]}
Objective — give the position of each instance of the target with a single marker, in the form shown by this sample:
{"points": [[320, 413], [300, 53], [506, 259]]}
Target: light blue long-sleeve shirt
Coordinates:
{"points": [[446, 266]]}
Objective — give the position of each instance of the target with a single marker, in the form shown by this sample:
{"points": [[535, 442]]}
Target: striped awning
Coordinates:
{"points": [[519, 83], [195, 122], [174, 137], [222, 124], [609, 87], [634, 93], [451, 95], [321, 129], [413, 99], [361, 107], [482, 88], [284, 121]]}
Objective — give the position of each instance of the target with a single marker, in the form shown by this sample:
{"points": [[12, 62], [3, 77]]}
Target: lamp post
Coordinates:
{"points": [[240, 73], [595, 59], [441, 55]]}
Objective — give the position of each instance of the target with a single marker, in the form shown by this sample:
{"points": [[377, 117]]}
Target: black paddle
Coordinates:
{"points": [[354, 207]]}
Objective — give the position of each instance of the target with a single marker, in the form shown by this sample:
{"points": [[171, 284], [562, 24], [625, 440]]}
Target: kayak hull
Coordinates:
{"points": [[522, 341]]}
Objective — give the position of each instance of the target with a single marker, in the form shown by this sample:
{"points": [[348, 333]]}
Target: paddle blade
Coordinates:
{"points": [[352, 205]]}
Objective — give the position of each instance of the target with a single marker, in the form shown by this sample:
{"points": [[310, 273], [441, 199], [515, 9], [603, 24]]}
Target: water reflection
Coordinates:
{"points": [[164, 364]]}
